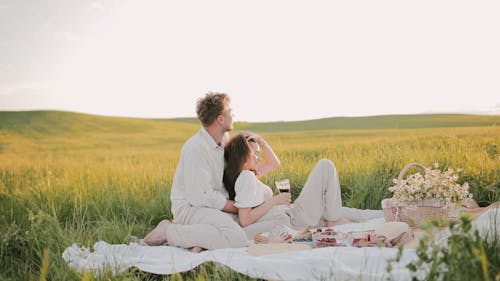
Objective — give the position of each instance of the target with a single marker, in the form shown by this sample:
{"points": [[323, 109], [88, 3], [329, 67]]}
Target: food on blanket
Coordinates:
{"points": [[283, 234], [361, 238], [326, 242], [327, 237], [260, 238], [279, 234], [394, 233]]}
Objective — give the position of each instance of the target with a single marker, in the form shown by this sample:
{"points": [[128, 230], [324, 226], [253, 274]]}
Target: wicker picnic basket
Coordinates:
{"points": [[424, 209]]}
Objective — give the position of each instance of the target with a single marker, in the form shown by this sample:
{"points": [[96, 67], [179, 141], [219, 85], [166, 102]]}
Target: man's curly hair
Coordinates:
{"points": [[211, 106]]}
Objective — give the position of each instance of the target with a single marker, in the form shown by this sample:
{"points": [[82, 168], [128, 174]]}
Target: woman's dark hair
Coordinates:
{"points": [[236, 152]]}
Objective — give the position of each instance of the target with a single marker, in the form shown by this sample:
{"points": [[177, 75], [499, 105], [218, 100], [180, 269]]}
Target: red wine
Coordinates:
{"points": [[284, 190]]}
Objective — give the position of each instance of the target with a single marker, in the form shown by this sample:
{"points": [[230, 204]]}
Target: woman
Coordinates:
{"points": [[318, 204]]}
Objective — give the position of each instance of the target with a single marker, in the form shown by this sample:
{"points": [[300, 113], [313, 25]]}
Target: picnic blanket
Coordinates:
{"points": [[329, 263]]}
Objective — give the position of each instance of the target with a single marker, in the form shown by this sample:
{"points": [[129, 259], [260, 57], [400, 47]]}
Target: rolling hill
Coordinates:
{"points": [[379, 122], [60, 123], [46, 123]]}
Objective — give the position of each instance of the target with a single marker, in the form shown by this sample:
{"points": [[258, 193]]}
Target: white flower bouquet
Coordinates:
{"points": [[431, 195], [435, 184]]}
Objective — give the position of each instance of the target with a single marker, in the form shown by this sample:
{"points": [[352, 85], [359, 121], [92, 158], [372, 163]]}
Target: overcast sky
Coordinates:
{"points": [[279, 60]]}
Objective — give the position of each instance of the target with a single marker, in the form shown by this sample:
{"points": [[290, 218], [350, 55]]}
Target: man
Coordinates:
{"points": [[203, 216]]}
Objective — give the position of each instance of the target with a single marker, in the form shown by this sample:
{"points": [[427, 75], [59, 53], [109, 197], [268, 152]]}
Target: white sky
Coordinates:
{"points": [[279, 60]]}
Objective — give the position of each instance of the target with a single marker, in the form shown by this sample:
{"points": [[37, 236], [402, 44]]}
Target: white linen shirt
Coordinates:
{"points": [[250, 191], [198, 177]]}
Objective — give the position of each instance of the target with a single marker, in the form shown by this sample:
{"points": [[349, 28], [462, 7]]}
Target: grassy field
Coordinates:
{"points": [[67, 177]]}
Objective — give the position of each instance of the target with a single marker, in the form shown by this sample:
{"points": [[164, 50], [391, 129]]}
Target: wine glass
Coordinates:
{"points": [[283, 185]]}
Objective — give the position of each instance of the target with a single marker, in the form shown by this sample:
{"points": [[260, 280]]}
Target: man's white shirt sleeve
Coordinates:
{"points": [[198, 181]]}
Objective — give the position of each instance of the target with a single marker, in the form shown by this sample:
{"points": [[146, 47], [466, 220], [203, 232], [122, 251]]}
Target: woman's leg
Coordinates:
{"points": [[320, 198], [360, 215]]}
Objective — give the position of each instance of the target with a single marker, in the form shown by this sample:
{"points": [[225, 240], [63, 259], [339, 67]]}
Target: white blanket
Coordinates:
{"points": [[331, 263]]}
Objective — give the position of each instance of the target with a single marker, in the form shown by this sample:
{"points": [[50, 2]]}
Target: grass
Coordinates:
{"points": [[67, 177], [466, 256]]}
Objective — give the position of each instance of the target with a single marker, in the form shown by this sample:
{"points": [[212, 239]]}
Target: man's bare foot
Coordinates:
{"points": [[337, 222], [159, 235], [196, 249]]}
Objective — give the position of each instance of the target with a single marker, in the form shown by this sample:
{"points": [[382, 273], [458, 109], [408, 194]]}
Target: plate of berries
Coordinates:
{"points": [[328, 237], [362, 238]]}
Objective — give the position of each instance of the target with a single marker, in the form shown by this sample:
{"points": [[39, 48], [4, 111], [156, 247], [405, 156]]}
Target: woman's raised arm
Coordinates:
{"points": [[271, 161]]}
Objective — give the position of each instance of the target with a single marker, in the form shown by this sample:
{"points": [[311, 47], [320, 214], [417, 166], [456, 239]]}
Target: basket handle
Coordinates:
{"points": [[408, 166]]}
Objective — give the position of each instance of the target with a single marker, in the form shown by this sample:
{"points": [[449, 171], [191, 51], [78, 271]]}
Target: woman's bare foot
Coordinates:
{"points": [[337, 222], [196, 249], [159, 235]]}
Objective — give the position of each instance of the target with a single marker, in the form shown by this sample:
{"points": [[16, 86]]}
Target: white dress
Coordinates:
{"points": [[319, 201], [250, 191]]}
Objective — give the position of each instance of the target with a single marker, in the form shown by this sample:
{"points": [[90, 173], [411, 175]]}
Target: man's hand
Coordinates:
{"points": [[229, 207]]}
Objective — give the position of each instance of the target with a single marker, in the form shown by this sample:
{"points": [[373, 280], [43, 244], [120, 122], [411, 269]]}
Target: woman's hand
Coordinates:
{"points": [[257, 138], [247, 216], [281, 199], [260, 141], [271, 161]]}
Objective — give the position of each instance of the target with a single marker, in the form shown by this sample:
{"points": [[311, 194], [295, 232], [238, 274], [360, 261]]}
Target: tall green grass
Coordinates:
{"points": [[465, 256], [68, 178]]}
